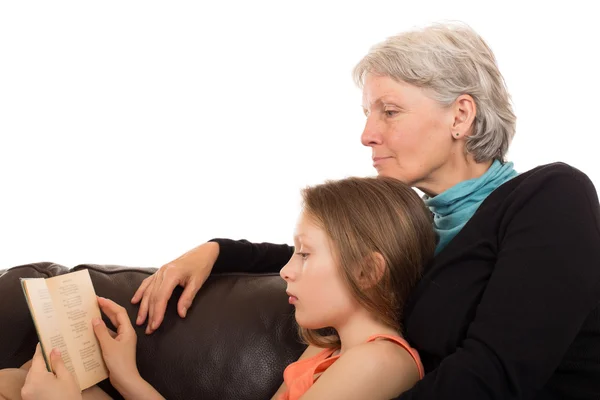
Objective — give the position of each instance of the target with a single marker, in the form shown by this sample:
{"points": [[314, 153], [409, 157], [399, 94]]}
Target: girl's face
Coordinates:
{"points": [[313, 281]]}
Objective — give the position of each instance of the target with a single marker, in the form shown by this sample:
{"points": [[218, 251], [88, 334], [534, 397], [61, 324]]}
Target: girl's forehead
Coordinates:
{"points": [[307, 231]]}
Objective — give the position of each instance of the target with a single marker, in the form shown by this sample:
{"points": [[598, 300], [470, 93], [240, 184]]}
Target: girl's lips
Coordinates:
{"points": [[292, 299]]}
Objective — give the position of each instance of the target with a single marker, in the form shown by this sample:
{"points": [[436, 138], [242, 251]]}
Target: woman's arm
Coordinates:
{"points": [[191, 270], [376, 370], [545, 284], [244, 256]]}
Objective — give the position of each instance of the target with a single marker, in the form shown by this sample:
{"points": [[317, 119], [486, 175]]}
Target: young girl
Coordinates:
{"points": [[361, 244]]}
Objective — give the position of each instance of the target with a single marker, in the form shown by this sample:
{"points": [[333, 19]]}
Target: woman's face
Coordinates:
{"points": [[313, 280], [410, 134]]}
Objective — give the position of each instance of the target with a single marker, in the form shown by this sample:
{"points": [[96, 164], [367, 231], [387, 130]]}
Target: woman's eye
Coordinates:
{"points": [[303, 256], [390, 113]]}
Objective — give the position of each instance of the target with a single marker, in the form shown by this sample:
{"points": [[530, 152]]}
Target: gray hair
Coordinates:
{"points": [[450, 59]]}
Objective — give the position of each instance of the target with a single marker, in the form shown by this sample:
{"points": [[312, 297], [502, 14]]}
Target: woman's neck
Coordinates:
{"points": [[452, 173], [358, 328]]}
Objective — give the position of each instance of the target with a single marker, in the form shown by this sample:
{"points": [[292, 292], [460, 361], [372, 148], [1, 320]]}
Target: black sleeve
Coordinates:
{"points": [[546, 281], [244, 256]]}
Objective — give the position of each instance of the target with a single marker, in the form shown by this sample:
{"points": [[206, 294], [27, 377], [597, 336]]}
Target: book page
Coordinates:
{"points": [[76, 305], [45, 320]]}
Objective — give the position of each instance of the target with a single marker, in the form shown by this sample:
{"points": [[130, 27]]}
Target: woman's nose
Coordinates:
{"points": [[370, 135]]}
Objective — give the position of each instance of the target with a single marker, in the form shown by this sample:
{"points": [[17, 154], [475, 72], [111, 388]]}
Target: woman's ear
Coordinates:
{"points": [[464, 112], [373, 272]]}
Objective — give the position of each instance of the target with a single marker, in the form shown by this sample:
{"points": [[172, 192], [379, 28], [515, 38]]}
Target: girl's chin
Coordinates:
{"points": [[308, 323]]}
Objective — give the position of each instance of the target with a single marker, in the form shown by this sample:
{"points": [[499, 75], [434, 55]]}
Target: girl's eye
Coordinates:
{"points": [[303, 256]]}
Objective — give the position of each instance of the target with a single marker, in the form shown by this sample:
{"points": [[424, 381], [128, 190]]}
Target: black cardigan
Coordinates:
{"points": [[510, 308]]}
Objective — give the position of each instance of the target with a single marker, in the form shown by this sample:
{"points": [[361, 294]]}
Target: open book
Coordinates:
{"points": [[62, 308]]}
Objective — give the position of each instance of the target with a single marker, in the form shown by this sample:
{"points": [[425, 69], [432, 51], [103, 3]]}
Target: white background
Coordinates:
{"points": [[131, 132]]}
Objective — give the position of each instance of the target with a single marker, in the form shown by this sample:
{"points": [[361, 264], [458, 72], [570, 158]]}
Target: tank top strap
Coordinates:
{"points": [[299, 375], [325, 363], [404, 344]]}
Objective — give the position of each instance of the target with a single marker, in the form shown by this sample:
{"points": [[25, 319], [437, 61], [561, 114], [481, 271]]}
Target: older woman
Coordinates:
{"points": [[509, 308]]}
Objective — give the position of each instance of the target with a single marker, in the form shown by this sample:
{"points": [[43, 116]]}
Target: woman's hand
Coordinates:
{"points": [[189, 271], [43, 385], [118, 349]]}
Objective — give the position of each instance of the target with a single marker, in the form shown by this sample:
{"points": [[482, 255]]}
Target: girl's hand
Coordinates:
{"points": [[118, 350], [43, 385]]}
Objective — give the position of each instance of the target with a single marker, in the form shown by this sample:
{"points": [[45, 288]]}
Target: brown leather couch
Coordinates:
{"points": [[235, 342]]}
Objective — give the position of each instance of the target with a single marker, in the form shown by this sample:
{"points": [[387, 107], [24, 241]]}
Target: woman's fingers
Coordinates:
{"points": [[158, 282], [144, 305], [139, 293], [187, 297], [158, 302]]}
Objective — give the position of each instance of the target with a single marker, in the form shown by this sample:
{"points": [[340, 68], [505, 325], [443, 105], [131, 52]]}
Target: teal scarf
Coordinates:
{"points": [[454, 207]]}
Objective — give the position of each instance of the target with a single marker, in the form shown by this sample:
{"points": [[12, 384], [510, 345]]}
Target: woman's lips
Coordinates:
{"points": [[379, 160]]}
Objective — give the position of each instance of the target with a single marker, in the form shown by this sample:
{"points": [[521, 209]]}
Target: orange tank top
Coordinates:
{"points": [[300, 375]]}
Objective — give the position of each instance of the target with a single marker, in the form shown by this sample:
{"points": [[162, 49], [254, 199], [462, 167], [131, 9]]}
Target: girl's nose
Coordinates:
{"points": [[287, 272]]}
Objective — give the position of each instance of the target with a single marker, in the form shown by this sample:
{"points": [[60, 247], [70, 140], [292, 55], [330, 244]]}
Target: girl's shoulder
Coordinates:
{"points": [[379, 368], [399, 348], [387, 356]]}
